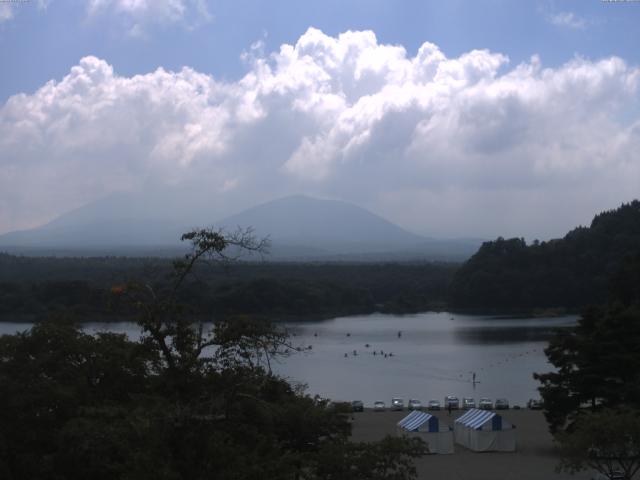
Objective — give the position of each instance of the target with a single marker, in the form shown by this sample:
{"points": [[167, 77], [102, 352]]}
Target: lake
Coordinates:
{"points": [[428, 355]]}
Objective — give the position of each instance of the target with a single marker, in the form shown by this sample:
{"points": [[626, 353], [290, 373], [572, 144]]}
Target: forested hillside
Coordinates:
{"points": [[505, 275], [33, 287], [571, 272]]}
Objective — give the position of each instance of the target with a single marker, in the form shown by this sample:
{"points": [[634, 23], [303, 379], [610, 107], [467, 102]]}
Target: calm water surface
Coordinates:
{"points": [[435, 355]]}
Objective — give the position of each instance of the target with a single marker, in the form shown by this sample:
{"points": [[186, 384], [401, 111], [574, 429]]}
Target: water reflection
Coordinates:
{"points": [[504, 335]]}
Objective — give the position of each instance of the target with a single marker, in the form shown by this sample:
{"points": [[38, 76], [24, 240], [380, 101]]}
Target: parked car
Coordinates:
{"points": [[451, 402], [534, 404], [468, 403], [485, 404], [415, 404], [397, 403], [516, 407], [379, 406], [502, 404], [434, 405], [357, 406]]}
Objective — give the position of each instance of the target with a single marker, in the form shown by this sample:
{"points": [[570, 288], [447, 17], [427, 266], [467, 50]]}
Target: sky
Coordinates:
{"points": [[450, 118]]}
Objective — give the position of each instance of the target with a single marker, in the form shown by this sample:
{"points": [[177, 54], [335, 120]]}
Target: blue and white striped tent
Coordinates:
{"points": [[483, 430], [427, 426], [418, 421], [475, 418]]}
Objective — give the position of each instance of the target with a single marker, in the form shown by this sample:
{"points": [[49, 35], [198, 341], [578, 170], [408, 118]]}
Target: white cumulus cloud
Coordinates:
{"points": [[567, 19], [139, 14], [446, 146]]}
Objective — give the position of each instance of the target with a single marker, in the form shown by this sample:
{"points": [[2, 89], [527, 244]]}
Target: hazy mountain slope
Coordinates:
{"points": [[327, 224], [108, 233], [300, 228], [152, 217]]}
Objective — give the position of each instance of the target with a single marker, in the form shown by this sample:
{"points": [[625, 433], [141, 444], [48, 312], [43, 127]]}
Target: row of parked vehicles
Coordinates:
{"points": [[450, 402]]}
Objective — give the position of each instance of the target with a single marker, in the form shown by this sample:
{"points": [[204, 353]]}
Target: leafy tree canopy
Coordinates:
{"points": [[597, 361], [607, 441]]}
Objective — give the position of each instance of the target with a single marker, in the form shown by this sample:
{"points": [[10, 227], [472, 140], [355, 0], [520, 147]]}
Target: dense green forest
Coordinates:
{"points": [[32, 287], [569, 273], [505, 275]]}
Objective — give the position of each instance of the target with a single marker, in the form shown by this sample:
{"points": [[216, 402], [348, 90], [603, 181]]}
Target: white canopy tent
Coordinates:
{"points": [[427, 427], [485, 431]]}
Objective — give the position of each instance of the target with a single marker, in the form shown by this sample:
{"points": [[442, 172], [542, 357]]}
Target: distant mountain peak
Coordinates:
{"points": [[300, 227], [301, 219]]}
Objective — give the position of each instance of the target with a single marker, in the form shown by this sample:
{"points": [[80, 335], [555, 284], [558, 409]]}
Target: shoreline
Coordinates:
{"points": [[293, 318]]}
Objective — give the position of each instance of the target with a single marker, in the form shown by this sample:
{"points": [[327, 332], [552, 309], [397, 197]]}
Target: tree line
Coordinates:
{"points": [[504, 276], [34, 287], [570, 273]]}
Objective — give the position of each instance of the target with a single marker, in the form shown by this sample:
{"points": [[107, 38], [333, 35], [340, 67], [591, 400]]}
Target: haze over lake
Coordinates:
{"points": [[434, 356]]}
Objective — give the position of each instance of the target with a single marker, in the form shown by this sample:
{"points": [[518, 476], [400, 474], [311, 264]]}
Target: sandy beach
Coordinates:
{"points": [[535, 458]]}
